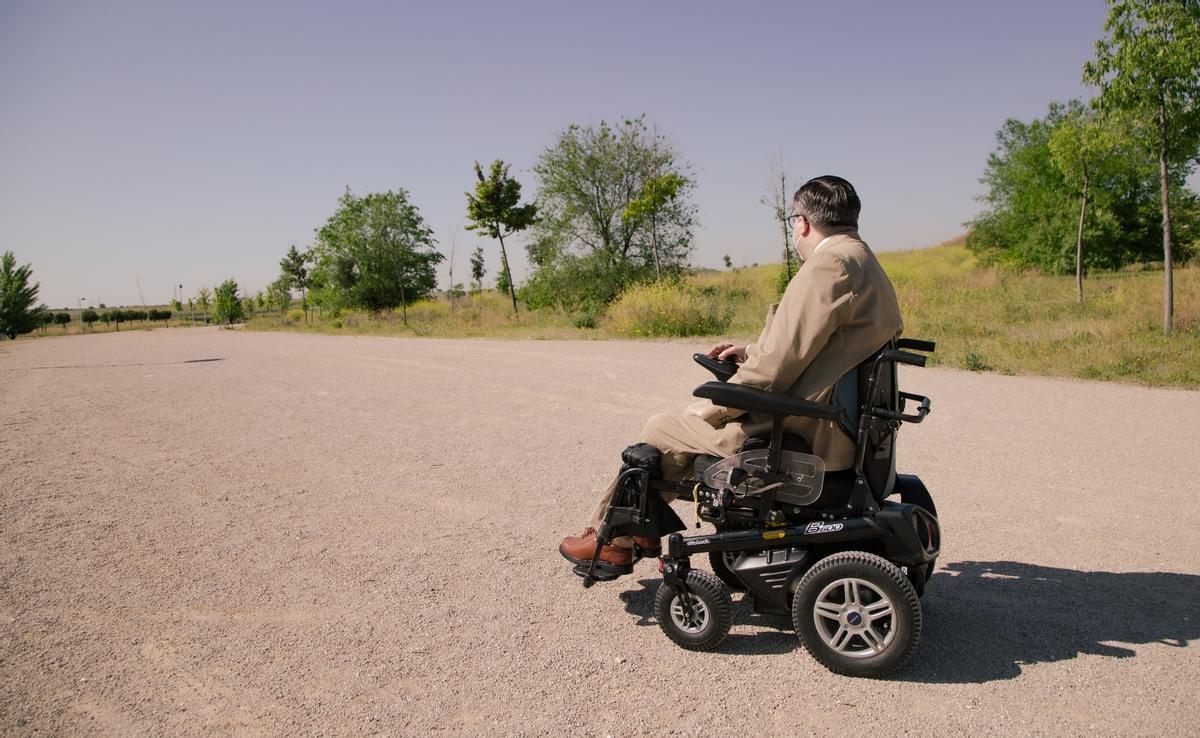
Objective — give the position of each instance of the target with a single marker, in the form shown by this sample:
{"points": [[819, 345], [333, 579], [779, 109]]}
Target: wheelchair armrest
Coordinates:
{"points": [[722, 370], [758, 401]]}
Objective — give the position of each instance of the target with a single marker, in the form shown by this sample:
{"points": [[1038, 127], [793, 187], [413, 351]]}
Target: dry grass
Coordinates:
{"points": [[983, 319]]}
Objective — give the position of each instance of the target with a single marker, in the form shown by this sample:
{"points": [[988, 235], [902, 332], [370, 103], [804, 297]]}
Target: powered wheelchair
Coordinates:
{"points": [[830, 548]]}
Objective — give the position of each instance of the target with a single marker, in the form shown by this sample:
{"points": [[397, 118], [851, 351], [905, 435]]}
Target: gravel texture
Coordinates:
{"points": [[336, 535]]}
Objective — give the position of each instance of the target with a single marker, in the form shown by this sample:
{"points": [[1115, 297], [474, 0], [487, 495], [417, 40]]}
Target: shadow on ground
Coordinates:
{"points": [[984, 620]]}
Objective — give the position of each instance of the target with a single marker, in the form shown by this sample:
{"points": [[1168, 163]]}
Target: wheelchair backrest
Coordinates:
{"points": [[850, 394]]}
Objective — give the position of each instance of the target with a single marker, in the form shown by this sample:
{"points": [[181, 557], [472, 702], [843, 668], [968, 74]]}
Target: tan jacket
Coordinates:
{"points": [[838, 310]]}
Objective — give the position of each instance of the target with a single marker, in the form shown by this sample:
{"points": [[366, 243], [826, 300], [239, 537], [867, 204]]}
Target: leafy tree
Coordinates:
{"points": [[657, 193], [89, 317], [583, 250], [1083, 146], [227, 304], [1031, 218], [375, 252], [494, 211], [727, 261], [203, 295], [294, 267], [502, 283], [1148, 65], [477, 268], [17, 298], [279, 294], [176, 305], [43, 317], [62, 319]]}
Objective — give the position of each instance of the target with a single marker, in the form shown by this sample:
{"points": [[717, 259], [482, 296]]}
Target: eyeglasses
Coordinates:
{"points": [[791, 219]]}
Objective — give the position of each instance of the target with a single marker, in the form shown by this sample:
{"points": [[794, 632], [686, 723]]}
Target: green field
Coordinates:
{"points": [[983, 319]]}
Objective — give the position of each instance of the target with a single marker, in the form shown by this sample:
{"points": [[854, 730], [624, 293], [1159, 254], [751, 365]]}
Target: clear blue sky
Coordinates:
{"points": [[173, 142]]}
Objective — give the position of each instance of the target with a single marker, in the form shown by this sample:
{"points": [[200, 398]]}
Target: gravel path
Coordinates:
{"points": [[212, 532]]}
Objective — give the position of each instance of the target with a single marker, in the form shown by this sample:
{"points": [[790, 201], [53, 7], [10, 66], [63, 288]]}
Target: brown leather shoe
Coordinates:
{"points": [[579, 550]]}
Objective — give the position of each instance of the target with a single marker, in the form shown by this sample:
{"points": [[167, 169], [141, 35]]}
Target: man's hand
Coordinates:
{"points": [[725, 349]]}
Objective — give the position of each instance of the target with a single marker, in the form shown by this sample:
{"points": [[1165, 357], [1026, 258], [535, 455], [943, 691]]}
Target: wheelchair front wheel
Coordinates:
{"points": [[711, 612], [857, 614]]}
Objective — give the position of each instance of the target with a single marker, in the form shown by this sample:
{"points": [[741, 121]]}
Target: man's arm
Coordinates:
{"points": [[812, 308]]}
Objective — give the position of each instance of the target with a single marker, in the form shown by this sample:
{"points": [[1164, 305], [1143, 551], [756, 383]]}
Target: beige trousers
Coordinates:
{"points": [[680, 438]]}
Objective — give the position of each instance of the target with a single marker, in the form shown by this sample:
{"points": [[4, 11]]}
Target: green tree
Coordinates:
{"points": [[1083, 146], [279, 294], [583, 251], [89, 317], [375, 252], [477, 269], [203, 295], [494, 212], [62, 319], [227, 304], [1148, 65], [1031, 215], [17, 298], [294, 266], [176, 305], [658, 191]]}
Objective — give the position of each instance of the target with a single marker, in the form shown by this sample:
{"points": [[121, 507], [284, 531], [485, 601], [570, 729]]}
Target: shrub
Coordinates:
{"points": [[296, 316], [668, 309], [974, 361]]}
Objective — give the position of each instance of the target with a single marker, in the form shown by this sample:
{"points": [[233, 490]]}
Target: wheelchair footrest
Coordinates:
{"points": [[604, 572]]}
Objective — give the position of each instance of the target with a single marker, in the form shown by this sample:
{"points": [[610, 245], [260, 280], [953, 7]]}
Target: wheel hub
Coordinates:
{"points": [[698, 619], [854, 618]]}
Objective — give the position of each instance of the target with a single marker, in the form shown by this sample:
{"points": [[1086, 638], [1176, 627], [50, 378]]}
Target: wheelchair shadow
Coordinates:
{"points": [[985, 620]]}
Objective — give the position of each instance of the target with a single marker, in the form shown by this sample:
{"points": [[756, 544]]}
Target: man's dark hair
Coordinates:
{"points": [[828, 202]]}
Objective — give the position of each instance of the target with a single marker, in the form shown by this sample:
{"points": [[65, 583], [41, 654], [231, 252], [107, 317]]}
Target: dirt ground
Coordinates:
{"points": [[213, 532]]}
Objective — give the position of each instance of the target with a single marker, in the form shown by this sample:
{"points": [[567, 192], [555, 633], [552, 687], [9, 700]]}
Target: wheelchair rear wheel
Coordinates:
{"points": [[857, 614], [711, 612], [722, 565]]}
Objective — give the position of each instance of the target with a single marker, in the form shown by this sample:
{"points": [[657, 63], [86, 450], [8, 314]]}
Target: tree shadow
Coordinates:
{"points": [[984, 620]]}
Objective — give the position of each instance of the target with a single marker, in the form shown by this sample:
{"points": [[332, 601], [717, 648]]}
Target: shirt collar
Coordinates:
{"points": [[823, 242]]}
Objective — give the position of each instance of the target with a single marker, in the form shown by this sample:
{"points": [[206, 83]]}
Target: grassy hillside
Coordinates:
{"points": [[983, 319]]}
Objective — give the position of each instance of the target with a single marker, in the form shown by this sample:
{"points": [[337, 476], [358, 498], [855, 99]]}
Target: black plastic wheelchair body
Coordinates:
{"points": [[849, 566]]}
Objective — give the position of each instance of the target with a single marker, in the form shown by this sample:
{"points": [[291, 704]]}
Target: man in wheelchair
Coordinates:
{"points": [[838, 310], [827, 352]]}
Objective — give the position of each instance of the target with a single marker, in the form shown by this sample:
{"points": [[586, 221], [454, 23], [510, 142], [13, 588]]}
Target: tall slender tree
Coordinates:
{"points": [[477, 268], [779, 200], [294, 266], [1082, 145], [495, 212], [1148, 64], [658, 192], [17, 297]]}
